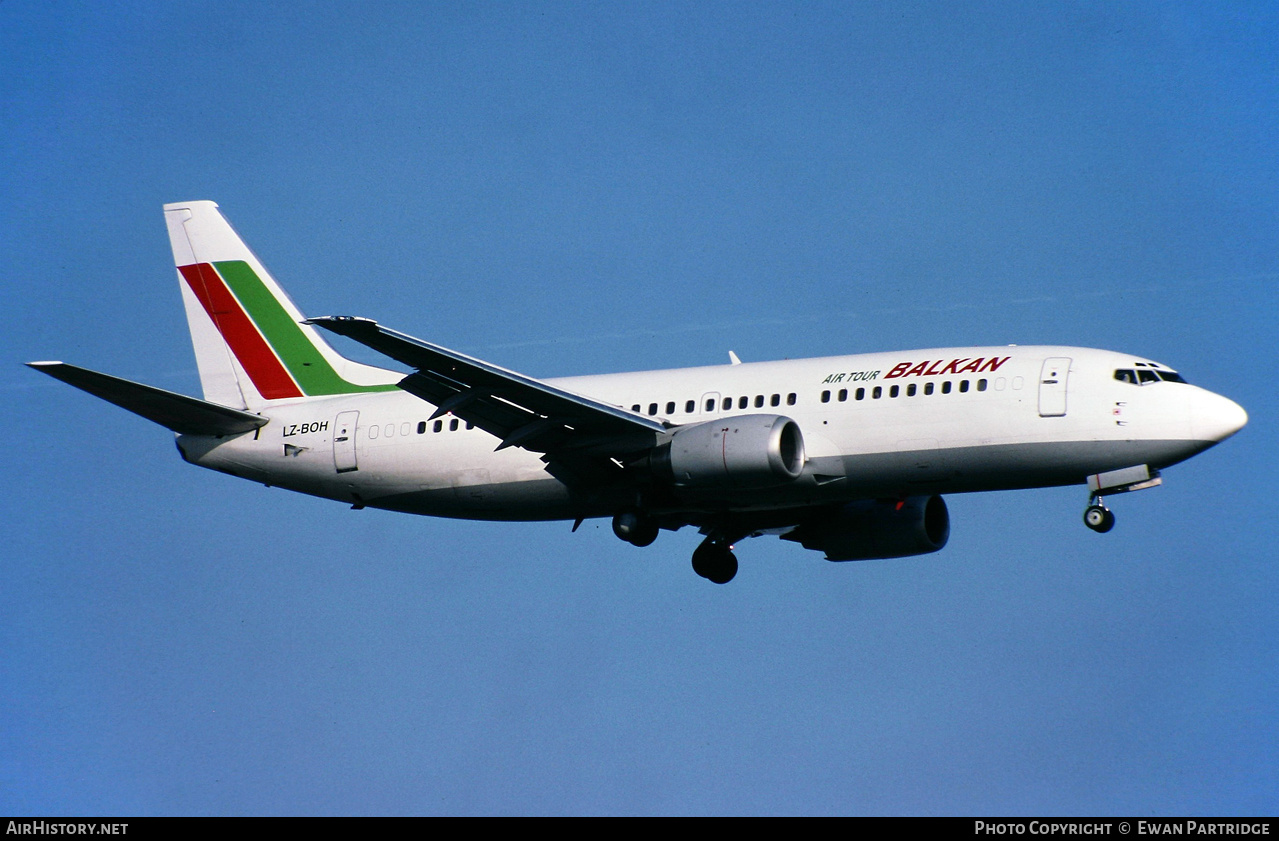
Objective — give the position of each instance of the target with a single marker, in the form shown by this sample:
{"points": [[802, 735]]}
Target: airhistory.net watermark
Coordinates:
{"points": [[61, 828]]}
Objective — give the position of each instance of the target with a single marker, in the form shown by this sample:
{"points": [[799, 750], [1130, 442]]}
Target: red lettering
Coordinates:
{"points": [[993, 363], [964, 365]]}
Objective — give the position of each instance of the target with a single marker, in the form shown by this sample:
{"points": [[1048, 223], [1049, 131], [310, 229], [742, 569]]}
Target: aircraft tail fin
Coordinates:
{"points": [[250, 344]]}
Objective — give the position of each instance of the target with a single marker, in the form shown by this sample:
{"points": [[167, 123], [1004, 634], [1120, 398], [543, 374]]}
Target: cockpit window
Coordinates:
{"points": [[1145, 376]]}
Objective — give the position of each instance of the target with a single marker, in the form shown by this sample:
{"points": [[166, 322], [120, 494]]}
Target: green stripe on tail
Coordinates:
{"points": [[303, 360]]}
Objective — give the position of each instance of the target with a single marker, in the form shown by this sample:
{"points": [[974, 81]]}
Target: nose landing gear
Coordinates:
{"points": [[1137, 478], [1097, 516]]}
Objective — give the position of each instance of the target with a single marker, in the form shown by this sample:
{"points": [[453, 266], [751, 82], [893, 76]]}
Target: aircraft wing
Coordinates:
{"points": [[519, 410], [182, 414]]}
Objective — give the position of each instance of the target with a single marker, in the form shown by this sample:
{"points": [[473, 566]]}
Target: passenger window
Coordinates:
{"points": [[390, 430], [894, 391], [743, 402], [470, 425], [945, 387], [690, 407], [843, 395], [825, 396], [861, 394], [421, 427], [652, 408], [910, 390], [928, 388], [790, 399], [710, 405], [453, 425], [981, 385], [775, 400], [373, 431], [759, 400], [438, 426], [963, 386], [635, 408], [728, 403], [877, 392], [670, 407]]}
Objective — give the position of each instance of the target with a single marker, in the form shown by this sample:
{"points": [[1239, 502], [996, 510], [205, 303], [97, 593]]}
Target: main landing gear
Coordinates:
{"points": [[1097, 516], [714, 560], [635, 527]]}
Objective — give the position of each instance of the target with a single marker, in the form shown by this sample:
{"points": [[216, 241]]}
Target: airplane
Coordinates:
{"points": [[845, 455]]}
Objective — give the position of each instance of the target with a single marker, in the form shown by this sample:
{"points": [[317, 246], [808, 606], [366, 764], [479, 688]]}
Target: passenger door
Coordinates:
{"points": [[1052, 387]]}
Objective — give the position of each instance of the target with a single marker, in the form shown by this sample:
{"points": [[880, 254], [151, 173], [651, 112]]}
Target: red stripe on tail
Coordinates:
{"points": [[263, 367]]}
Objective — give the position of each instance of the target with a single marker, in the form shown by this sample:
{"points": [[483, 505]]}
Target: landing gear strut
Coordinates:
{"points": [[1097, 516], [714, 560]]}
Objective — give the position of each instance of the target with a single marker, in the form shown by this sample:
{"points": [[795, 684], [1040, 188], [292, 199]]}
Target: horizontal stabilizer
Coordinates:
{"points": [[182, 414]]}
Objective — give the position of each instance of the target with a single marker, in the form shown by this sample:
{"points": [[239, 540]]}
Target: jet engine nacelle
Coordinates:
{"points": [[741, 451], [869, 529]]}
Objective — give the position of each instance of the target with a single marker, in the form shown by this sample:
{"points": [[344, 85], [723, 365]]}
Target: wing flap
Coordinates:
{"points": [[182, 414]]}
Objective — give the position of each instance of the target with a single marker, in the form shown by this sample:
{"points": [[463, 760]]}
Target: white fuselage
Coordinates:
{"points": [[874, 426]]}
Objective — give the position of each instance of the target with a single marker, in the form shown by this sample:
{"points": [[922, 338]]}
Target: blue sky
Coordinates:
{"points": [[568, 188]]}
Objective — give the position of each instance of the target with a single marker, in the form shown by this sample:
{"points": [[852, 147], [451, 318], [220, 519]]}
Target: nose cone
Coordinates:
{"points": [[1216, 418]]}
